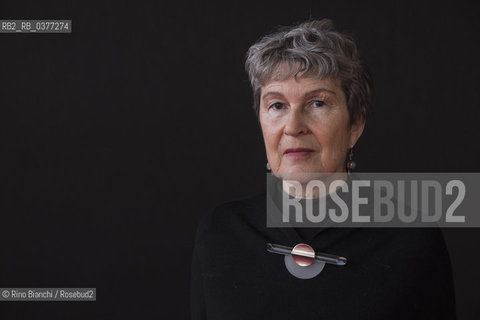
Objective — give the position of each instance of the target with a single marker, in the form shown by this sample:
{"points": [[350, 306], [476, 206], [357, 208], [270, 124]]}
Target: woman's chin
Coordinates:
{"points": [[300, 174], [306, 174]]}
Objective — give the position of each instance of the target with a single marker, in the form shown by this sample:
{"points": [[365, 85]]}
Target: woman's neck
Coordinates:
{"points": [[315, 185]]}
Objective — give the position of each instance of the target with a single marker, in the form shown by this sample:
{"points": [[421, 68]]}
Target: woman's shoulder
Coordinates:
{"points": [[237, 208], [233, 213]]}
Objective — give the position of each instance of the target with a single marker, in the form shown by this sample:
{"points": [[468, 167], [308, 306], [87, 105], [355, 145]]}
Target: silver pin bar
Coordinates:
{"points": [[323, 257]]}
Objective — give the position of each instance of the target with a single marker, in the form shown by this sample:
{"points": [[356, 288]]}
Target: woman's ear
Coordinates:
{"points": [[356, 130]]}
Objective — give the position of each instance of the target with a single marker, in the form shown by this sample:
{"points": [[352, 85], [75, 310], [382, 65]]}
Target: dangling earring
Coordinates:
{"points": [[351, 165], [268, 166]]}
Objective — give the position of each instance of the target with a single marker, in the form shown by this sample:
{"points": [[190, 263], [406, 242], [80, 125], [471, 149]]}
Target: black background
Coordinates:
{"points": [[116, 138]]}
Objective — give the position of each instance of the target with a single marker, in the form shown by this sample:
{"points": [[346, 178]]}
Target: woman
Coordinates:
{"points": [[312, 96]]}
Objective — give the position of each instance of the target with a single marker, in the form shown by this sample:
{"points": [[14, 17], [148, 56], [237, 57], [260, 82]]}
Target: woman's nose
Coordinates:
{"points": [[295, 124]]}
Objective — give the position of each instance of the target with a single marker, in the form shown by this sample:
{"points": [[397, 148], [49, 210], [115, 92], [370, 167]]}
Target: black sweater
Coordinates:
{"points": [[392, 273]]}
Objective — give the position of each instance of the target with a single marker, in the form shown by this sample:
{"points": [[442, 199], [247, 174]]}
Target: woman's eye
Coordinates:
{"points": [[318, 103], [277, 106]]}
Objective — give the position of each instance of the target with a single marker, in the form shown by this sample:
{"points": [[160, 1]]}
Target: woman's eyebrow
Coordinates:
{"points": [[313, 92], [309, 93], [271, 93]]}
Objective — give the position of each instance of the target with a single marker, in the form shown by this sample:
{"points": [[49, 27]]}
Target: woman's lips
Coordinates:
{"points": [[298, 152]]}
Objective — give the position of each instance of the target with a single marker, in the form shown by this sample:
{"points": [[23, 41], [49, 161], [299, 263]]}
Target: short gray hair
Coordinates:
{"points": [[313, 48]]}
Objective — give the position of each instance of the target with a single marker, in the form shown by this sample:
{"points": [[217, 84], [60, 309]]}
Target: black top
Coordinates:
{"points": [[392, 273]]}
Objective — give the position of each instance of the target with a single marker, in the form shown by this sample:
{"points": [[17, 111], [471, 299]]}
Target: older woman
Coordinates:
{"points": [[312, 97]]}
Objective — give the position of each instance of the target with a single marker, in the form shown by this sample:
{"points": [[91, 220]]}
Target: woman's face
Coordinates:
{"points": [[306, 126]]}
